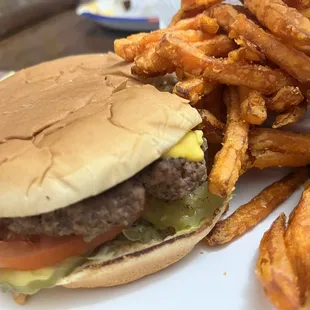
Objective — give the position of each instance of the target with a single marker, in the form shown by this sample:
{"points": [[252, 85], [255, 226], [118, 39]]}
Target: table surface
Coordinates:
{"points": [[58, 36]]}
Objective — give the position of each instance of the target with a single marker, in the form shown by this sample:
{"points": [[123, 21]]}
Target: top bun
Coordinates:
{"points": [[75, 127]]}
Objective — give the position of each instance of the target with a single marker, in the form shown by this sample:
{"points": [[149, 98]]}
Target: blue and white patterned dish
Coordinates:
{"points": [[112, 14]]}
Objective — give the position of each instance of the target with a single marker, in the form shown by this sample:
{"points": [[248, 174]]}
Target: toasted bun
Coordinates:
{"points": [[139, 264], [75, 127]]}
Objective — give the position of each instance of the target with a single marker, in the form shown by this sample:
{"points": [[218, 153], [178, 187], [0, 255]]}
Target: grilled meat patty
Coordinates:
{"points": [[122, 205]]}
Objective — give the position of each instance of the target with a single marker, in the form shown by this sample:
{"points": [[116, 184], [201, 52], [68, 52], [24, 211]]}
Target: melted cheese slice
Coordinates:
{"points": [[188, 147]]}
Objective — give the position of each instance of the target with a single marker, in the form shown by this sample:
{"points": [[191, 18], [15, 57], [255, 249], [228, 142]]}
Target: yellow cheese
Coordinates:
{"points": [[188, 147]]}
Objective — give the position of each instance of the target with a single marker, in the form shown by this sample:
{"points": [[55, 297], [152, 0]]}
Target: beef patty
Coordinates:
{"points": [[174, 178], [122, 205]]}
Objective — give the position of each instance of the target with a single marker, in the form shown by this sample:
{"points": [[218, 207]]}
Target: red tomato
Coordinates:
{"points": [[40, 252]]}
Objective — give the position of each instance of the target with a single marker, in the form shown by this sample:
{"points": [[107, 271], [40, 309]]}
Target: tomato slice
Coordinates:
{"points": [[46, 251]]}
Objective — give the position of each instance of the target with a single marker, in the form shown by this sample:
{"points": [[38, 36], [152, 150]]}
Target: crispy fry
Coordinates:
{"points": [[267, 159], [250, 214], [298, 4], [298, 243], [243, 54], [306, 12], [219, 46], [277, 140], [289, 59], [192, 4], [274, 269], [191, 8], [225, 15], [199, 22], [149, 64], [229, 160], [193, 89], [253, 108], [127, 48], [285, 22], [208, 24], [286, 97], [213, 128], [292, 115], [20, 299], [193, 61], [252, 53]]}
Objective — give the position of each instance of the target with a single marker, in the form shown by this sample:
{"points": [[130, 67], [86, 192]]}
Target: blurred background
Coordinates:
{"points": [[32, 31]]}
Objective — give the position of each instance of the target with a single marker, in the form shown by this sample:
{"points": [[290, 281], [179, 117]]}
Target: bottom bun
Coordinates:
{"points": [[139, 264]]}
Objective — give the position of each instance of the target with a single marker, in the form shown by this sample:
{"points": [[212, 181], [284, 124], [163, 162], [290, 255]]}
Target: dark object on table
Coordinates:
{"points": [[127, 4], [15, 14]]}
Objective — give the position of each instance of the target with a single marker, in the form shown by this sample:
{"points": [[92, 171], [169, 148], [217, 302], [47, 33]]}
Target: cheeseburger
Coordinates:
{"points": [[102, 177]]}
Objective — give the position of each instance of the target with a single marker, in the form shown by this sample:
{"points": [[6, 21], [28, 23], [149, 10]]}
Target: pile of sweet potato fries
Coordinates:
{"points": [[246, 68]]}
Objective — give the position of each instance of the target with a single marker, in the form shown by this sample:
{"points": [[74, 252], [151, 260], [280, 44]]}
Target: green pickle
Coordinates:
{"points": [[183, 214], [30, 282]]}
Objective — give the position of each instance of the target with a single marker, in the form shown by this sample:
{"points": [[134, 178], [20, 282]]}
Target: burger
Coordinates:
{"points": [[102, 176]]}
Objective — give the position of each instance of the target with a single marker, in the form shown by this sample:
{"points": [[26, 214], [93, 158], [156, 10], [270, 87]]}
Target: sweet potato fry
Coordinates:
{"points": [[298, 4], [149, 64], [306, 12], [187, 5], [253, 108], [191, 8], [277, 140], [298, 243], [267, 159], [199, 22], [285, 22], [225, 15], [213, 128], [208, 24], [219, 46], [20, 299], [229, 160], [128, 48], [193, 61], [292, 115], [250, 214], [289, 59], [286, 97], [193, 89], [274, 269], [243, 54]]}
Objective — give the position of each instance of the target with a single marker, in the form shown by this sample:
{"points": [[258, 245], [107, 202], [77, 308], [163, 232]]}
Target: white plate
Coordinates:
{"points": [[112, 14], [196, 282]]}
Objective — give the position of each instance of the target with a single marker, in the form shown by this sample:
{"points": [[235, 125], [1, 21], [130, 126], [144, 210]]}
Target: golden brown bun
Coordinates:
{"points": [[141, 263], [75, 127]]}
